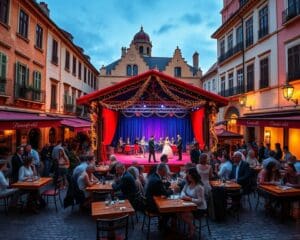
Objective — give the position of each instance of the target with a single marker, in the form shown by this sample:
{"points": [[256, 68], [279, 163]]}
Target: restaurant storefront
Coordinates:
{"points": [[283, 128]]}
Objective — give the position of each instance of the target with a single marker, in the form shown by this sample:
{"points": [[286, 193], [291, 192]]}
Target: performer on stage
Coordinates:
{"points": [[121, 144], [179, 147], [143, 145], [136, 146], [167, 150], [151, 149]]}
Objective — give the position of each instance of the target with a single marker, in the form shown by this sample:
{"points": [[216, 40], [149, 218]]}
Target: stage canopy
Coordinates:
{"points": [[152, 94]]}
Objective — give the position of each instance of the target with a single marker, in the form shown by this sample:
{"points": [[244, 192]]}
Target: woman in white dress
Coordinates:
{"points": [[167, 150]]}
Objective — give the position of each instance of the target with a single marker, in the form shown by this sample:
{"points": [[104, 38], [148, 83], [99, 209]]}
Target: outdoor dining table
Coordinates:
{"points": [[32, 184], [283, 194], [102, 169], [227, 185], [110, 211], [100, 187], [173, 204]]}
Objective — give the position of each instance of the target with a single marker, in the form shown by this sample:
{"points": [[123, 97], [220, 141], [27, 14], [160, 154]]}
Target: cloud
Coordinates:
{"points": [[192, 19], [165, 28]]}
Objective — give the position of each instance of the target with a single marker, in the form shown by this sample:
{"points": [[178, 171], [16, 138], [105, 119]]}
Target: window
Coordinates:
{"points": [[223, 86], [79, 70], [294, 63], [148, 51], [250, 77], [89, 77], [21, 81], [36, 94], [39, 36], [229, 42], [141, 49], [239, 35], [84, 74], [3, 64], [92, 80], [54, 52], [240, 81], [230, 84], [204, 86], [249, 32], [53, 96], [129, 70], [67, 61], [208, 86], [264, 72], [4, 7], [135, 70], [214, 85], [263, 22], [95, 82], [74, 66], [177, 71], [23, 24], [222, 47]]}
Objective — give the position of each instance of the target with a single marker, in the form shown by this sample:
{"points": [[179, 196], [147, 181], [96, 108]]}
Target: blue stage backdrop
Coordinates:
{"points": [[133, 127]]}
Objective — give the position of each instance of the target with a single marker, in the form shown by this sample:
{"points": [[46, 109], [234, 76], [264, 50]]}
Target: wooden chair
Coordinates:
{"points": [[108, 228], [54, 192], [150, 216], [198, 216]]}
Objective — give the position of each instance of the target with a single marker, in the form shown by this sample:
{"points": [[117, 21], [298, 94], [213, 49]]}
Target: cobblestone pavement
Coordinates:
{"points": [[67, 224]]}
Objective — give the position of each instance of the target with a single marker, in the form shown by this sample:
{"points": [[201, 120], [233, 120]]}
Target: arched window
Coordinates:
{"points": [[148, 51], [135, 70], [141, 49], [129, 70]]}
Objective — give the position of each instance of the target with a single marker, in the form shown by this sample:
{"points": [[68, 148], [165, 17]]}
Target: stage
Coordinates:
{"points": [[174, 165]]}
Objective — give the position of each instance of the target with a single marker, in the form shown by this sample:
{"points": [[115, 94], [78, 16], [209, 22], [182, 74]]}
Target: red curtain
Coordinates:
{"points": [[197, 121], [110, 120]]}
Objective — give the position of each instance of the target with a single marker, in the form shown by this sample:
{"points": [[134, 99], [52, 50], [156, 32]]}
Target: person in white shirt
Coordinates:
{"points": [[251, 159], [27, 170], [225, 168]]}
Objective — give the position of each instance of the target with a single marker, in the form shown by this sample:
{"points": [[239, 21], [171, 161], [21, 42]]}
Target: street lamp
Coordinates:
{"points": [[288, 92], [243, 102]]}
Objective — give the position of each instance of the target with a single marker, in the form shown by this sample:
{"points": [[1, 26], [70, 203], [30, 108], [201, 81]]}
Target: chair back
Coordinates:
{"points": [[109, 227]]}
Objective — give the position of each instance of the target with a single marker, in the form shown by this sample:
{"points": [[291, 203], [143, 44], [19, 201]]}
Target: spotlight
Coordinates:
{"points": [[162, 106], [144, 105]]}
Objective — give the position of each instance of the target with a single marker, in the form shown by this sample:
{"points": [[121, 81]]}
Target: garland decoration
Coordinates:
{"points": [[212, 131], [94, 119]]}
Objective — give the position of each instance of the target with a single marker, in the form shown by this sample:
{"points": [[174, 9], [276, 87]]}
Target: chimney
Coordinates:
{"points": [[45, 9], [196, 60], [123, 51]]}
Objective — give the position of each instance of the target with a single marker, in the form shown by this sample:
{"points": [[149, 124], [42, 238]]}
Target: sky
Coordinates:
{"points": [[102, 27]]}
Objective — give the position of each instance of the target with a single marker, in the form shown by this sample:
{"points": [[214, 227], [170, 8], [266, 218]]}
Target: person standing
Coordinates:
{"points": [[151, 149], [17, 162], [179, 147]]}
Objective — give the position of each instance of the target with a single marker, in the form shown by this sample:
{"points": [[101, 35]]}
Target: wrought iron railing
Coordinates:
{"points": [[292, 11]]}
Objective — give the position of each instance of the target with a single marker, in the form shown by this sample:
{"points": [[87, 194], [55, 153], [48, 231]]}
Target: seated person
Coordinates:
{"points": [[125, 183], [27, 171], [271, 158], [291, 178], [225, 167], [87, 179], [85, 161], [193, 191], [269, 175], [4, 184], [240, 173], [156, 187], [195, 153], [251, 159], [112, 166], [135, 173], [164, 159]]}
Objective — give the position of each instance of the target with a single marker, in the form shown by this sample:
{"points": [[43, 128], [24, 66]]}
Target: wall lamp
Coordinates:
{"points": [[243, 102], [268, 136], [288, 92]]}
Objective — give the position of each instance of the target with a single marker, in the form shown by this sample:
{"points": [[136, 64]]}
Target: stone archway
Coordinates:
{"points": [[34, 138], [231, 116]]}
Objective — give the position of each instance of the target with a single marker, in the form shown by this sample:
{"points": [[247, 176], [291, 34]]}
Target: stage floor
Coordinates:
{"points": [[173, 163]]}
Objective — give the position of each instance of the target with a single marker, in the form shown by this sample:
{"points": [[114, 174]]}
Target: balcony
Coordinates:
{"points": [[233, 91], [292, 11], [237, 48], [263, 32], [292, 76], [2, 86], [27, 93], [69, 107]]}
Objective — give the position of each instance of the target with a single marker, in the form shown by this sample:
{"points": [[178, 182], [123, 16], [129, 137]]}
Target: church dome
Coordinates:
{"points": [[141, 37]]}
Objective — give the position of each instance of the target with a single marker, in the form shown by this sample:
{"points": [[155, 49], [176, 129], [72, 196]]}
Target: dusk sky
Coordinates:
{"points": [[102, 27]]}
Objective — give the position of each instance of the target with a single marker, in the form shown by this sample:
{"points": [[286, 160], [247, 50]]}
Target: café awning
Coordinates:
{"points": [[76, 124], [224, 134], [276, 121], [18, 120]]}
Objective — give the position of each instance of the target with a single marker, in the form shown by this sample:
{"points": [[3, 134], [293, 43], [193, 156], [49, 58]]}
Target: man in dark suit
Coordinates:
{"points": [[156, 187], [179, 147], [125, 183], [241, 172], [151, 149], [17, 162]]}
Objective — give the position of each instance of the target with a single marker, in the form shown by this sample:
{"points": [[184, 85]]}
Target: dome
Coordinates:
{"points": [[141, 37]]}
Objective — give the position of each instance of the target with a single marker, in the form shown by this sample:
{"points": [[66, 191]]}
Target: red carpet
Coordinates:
{"points": [[173, 163]]}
